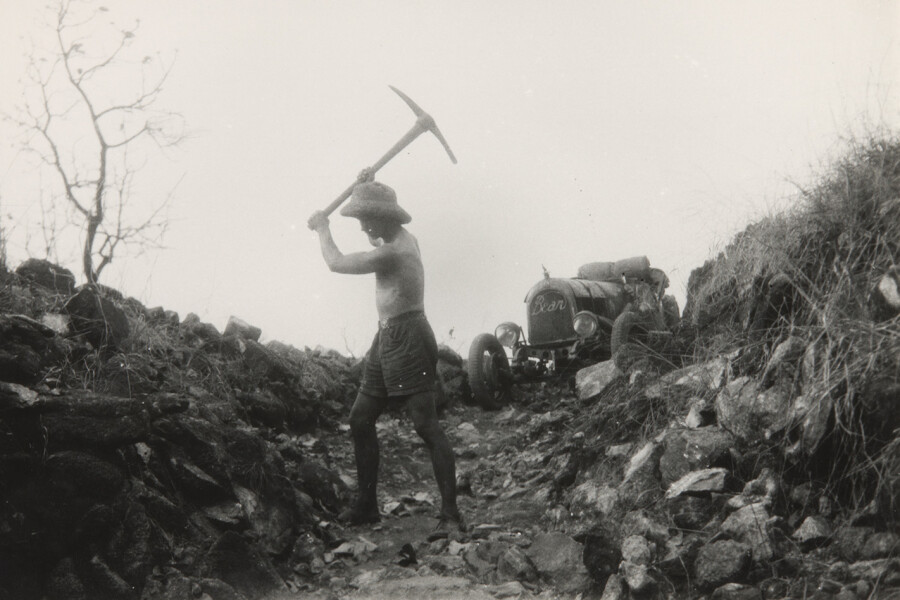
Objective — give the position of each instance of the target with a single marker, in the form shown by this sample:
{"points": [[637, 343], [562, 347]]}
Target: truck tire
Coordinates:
{"points": [[625, 328], [490, 378]]}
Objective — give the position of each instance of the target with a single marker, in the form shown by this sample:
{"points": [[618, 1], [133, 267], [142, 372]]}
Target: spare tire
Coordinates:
{"points": [[626, 328]]}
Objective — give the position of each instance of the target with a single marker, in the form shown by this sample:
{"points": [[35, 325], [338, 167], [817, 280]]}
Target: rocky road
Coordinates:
{"points": [[509, 550]]}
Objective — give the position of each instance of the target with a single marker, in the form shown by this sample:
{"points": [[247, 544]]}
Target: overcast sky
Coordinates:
{"points": [[585, 130]]}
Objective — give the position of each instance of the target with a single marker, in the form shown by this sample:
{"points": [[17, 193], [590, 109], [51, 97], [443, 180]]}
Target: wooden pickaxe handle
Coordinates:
{"points": [[424, 123]]}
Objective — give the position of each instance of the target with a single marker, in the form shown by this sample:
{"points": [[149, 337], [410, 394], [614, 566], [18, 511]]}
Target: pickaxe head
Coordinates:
{"points": [[425, 121]]}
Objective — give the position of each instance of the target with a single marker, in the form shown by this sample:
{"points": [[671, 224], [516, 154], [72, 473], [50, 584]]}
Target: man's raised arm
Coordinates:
{"points": [[356, 263]]}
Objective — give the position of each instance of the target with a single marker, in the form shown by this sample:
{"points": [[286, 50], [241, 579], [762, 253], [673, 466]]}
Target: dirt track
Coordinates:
{"points": [[493, 458]]}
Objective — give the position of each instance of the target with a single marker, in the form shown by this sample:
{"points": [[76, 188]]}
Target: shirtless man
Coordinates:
{"points": [[401, 364]]}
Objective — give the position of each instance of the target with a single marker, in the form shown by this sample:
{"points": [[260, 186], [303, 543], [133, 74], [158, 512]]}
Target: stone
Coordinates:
{"points": [[695, 379], [264, 408], [25, 346], [233, 560], [637, 576], [197, 483], [270, 520], [100, 320], [558, 558], [721, 562], [810, 416], [886, 293], [510, 589], [886, 571], [640, 522], [217, 589], [619, 450], [678, 556], [736, 591], [433, 587], [242, 329], [751, 413], [601, 555], [16, 397], [883, 544], [59, 323], [64, 582], [171, 585], [47, 275], [701, 413], [514, 564], [690, 512], [774, 588], [640, 485], [784, 360], [591, 497], [750, 525], [104, 581], [813, 532], [591, 381], [636, 549], [476, 562], [447, 564], [700, 483], [851, 542], [614, 589], [197, 333], [766, 485], [689, 450]]}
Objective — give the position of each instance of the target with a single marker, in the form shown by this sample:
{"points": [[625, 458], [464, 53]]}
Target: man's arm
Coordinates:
{"points": [[356, 263]]}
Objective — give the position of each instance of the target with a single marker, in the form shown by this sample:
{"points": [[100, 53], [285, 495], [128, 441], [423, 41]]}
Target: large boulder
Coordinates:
{"points": [[751, 525], [688, 450], [751, 413], [25, 346], [233, 560], [721, 562], [697, 380], [558, 558], [98, 318], [47, 275], [242, 329], [640, 485], [591, 381]]}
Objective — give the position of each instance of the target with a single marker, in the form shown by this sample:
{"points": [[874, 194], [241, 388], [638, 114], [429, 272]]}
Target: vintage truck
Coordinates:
{"points": [[573, 322]]}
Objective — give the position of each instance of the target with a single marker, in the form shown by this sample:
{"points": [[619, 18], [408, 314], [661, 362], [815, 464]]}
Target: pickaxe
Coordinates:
{"points": [[424, 122]]}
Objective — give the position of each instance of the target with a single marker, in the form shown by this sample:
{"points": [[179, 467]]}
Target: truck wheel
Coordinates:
{"points": [[671, 313], [625, 328], [489, 375]]}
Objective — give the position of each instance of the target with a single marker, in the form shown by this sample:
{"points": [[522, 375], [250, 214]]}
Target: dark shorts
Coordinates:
{"points": [[402, 359]]}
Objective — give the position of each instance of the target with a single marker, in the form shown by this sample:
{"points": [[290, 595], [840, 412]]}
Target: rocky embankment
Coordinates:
{"points": [[147, 456]]}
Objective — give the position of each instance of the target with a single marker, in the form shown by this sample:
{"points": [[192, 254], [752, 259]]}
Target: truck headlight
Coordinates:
{"points": [[585, 324], [508, 334]]}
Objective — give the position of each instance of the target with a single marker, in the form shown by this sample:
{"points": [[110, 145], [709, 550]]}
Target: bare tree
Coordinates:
{"points": [[90, 114]]}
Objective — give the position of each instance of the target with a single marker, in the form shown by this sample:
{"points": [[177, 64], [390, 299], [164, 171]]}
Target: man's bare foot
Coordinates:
{"points": [[357, 515], [448, 525]]}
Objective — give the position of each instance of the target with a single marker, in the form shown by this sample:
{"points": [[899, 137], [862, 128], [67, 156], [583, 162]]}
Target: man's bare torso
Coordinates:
{"points": [[400, 285]]}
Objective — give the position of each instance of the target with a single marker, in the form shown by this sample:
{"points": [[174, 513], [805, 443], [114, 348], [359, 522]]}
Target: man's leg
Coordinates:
{"points": [[363, 415], [424, 418]]}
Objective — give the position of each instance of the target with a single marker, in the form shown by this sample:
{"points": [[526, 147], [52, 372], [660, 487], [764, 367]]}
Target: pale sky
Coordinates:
{"points": [[585, 131]]}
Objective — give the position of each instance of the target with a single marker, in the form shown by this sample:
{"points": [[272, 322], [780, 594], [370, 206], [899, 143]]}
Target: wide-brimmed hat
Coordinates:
{"points": [[373, 199]]}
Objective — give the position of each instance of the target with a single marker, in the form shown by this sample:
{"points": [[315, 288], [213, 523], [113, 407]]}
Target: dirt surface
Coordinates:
{"points": [[493, 464]]}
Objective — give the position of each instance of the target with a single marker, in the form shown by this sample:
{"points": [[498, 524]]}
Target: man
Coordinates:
{"points": [[401, 364]]}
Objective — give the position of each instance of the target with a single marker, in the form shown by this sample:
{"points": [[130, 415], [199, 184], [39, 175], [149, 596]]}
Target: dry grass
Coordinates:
{"points": [[809, 272]]}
